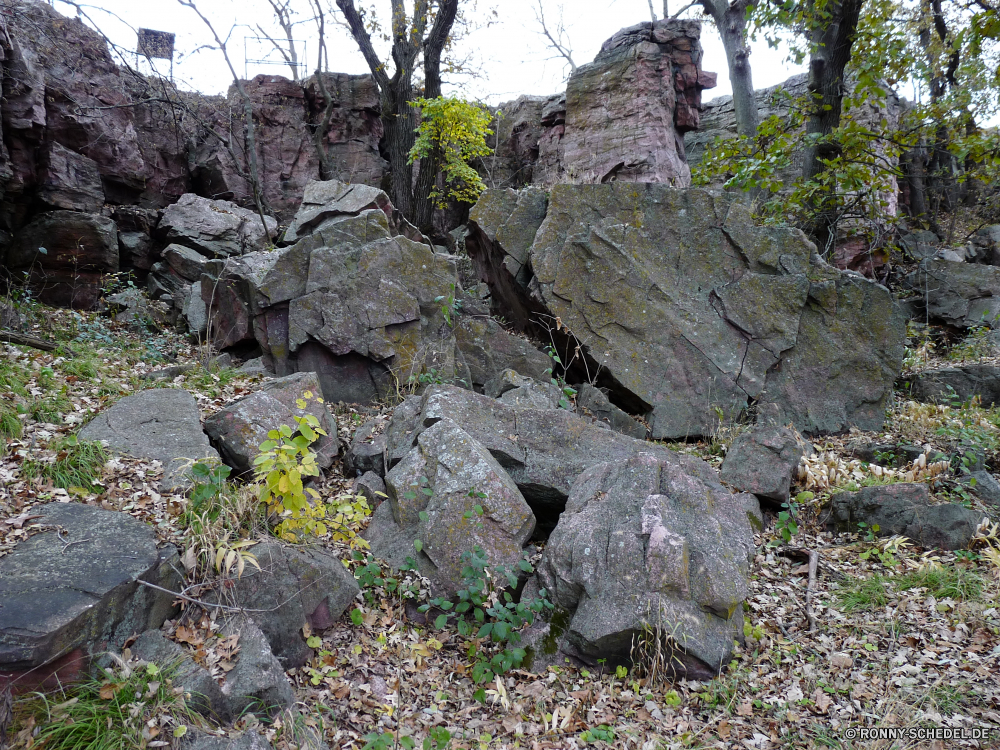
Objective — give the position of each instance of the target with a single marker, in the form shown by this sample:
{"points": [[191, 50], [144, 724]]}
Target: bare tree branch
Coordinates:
{"points": [[558, 38]]}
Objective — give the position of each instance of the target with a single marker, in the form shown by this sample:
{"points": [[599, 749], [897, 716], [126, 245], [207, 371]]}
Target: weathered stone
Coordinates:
{"points": [[67, 254], [195, 313], [257, 683], [295, 586], [70, 180], [161, 424], [206, 696], [685, 307], [488, 350], [986, 487], [461, 474], [323, 200], [371, 487], [187, 263], [592, 402], [543, 450], [957, 294], [514, 389], [763, 461], [367, 450], [238, 429], [58, 608], [645, 543], [905, 510], [217, 229], [960, 384]]}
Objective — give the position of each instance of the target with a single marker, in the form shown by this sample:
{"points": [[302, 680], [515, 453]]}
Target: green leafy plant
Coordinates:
{"points": [[568, 391], [602, 733], [452, 132], [209, 484], [786, 524], [449, 306], [485, 609]]}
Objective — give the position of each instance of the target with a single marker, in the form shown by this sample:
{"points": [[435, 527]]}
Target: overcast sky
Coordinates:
{"points": [[510, 54]]}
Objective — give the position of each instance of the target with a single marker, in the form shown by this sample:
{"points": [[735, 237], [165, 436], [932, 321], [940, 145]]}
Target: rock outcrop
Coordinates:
{"points": [[622, 117], [958, 384], [683, 306], [956, 294], [904, 509]]}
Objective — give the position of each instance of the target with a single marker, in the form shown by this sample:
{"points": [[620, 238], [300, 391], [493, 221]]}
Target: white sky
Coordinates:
{"points": [[510, 53]]}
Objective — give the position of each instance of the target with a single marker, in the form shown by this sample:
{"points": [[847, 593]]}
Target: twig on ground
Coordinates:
{"points": [[810, 587]]}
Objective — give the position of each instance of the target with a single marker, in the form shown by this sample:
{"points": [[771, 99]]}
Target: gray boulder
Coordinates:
{"points": [[371, 487], [257, 683], [514, 389], [367, 451], [960, 384], [592, 402], [986, 487], [295, 586], [488, 350], [763, 461], [161, 424], [66, 255], [187, 263], [645, 543], [686, 307], [328, 199], [957, 294], [238, 429], [215, 228], [194, 312], [206, 695], [543, 450], [440, 512], [73, 591], [904, 509]]}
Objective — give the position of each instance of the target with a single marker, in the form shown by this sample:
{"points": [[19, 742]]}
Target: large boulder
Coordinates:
{"points": [[488, 350], [951, 384], [66, 255], [216, 228], [295, 586], [957, 294], [643, 544], [593, 402], [686, 309], [543, 450], [433, 494], [352, 301], [160, 424], [904, 509], [328, 199], [72, 591], [239, 428]]}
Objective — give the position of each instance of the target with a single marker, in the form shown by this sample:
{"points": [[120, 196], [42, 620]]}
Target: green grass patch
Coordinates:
{"points": [[77, 464], [14, 377], [81, 367], [943, 582], [51, 407], [10, 424], [863, 593], [110, 713]]}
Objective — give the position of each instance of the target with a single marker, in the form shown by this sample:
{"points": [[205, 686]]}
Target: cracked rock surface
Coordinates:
{"points": [[72, 589], [690, 312]]}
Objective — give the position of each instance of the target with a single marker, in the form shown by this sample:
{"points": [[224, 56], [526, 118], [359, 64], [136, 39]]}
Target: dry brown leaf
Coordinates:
{"points": [[821, 700], [745, 708]]}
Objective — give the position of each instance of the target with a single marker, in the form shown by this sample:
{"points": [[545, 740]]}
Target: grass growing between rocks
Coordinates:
{"points": [[77, 465], [128, 707]]}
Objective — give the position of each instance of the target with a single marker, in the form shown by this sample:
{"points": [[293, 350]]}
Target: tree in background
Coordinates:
{"points": [[424, 34]]}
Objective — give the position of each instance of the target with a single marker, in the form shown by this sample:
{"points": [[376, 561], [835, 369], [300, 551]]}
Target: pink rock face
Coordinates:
{"points": [[622, 118]]}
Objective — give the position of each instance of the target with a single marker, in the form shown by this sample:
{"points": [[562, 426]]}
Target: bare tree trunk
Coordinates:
{"points": [[831, 43], [731, 20], [652, 13]]}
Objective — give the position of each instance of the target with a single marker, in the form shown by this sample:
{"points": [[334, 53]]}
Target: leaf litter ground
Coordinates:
{"points": [[904, 637]]}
